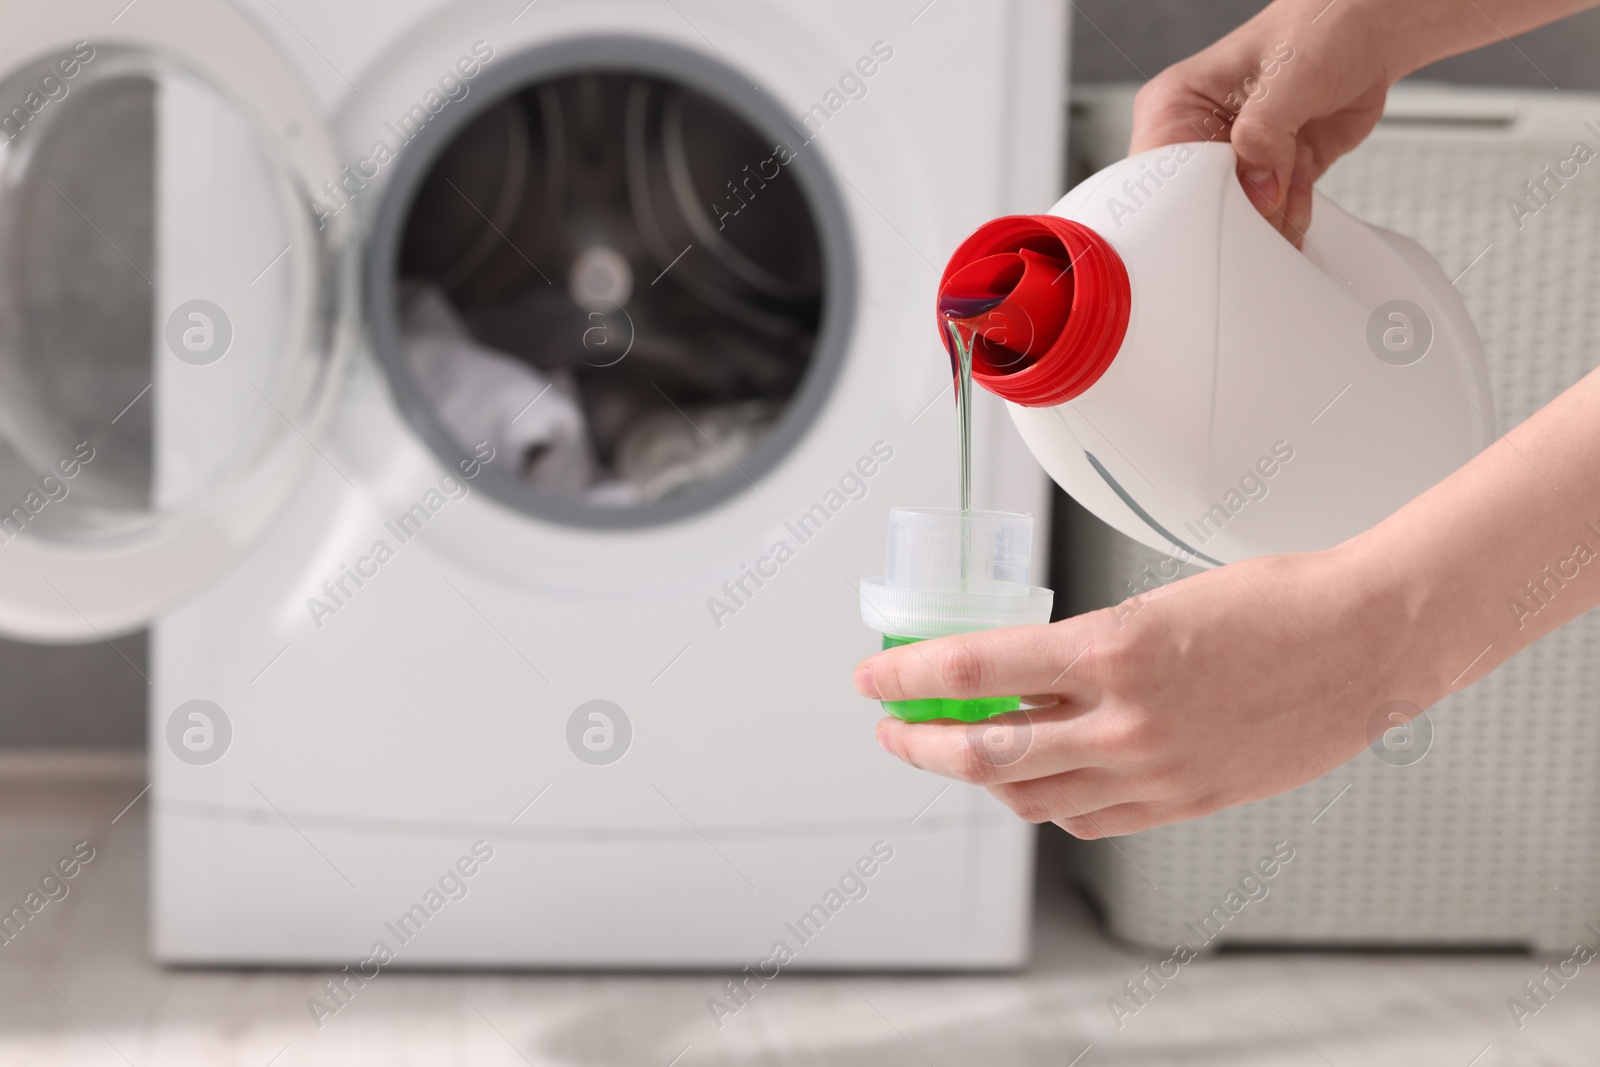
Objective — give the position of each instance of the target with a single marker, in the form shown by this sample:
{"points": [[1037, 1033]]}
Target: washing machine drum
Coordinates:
{"points": [[640, 248]]}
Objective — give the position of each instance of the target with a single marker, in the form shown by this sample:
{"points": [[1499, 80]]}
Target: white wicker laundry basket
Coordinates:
{"points": [[1493, 837]]}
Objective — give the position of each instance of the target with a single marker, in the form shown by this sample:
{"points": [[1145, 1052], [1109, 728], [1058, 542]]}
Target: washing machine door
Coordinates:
{"points": [[172, 304]]}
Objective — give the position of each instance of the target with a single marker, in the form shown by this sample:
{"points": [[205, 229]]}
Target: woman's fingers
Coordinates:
{"points": [[1129, 818], [1273, 93], [993, 663], [1091, 804], [1297, 207], [1007, 748]]}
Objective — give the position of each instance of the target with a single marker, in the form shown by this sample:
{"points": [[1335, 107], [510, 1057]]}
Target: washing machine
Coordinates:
{"points": [[491, 407]]}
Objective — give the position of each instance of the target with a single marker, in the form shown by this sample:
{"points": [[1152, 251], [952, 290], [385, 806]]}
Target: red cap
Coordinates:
{"points": [[1049, 302]]}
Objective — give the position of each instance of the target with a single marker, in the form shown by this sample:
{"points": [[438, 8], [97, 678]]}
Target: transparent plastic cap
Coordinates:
{"points": [[948, 573]]}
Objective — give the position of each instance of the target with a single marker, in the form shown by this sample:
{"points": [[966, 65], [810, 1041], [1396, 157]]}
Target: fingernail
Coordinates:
{"points": [[865, 684], [1262, 185], [883, 740]]}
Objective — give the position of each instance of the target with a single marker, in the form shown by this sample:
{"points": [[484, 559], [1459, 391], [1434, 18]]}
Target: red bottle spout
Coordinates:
{"points": [[1013, 304], [1047, 302]]}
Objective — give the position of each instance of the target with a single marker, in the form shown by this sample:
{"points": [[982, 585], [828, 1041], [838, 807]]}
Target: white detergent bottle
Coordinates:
{"points": [[1194, 380]]}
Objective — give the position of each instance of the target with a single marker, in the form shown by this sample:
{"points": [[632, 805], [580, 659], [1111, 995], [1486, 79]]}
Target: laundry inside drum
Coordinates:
{"points": [[616, 284]]}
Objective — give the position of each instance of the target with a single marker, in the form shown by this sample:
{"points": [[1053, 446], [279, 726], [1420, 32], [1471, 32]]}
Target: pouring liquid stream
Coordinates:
{"points": [[959, 313]]}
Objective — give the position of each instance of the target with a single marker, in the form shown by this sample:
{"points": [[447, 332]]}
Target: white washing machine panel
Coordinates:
{"points": [[649, 721]]}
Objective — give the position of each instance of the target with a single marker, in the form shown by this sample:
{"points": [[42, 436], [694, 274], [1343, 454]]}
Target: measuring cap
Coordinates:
{"points": [[927, 592]]}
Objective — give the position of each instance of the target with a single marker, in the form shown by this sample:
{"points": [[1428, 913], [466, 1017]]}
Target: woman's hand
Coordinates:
{"points": [[1216, 690], [1254, 678], [1304, 81], [1290, 93]]}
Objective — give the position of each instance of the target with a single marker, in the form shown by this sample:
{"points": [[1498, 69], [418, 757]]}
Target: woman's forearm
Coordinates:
{"points": [[1415, 33], [1499, 554]]}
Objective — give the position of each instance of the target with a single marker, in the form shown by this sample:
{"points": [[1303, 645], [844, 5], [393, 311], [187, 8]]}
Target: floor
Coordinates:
{"points": [[76, 988]]}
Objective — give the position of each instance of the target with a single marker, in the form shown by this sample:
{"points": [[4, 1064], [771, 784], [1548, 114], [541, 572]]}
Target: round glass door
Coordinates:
{"points": [[615, 276], [168, 310]]}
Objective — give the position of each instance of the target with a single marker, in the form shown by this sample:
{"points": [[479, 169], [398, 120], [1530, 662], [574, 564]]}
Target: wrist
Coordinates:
{"points": [[1408, 36], [1405, 631], [1404, 37]]}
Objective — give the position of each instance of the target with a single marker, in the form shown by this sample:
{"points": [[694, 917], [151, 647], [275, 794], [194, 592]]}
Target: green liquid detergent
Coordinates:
{"points": [[955, 309]]}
